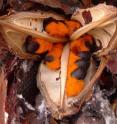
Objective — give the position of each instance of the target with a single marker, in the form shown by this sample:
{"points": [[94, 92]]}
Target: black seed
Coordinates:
{"points": [[85, 55], [89, 44], [79, 73], [30, 46], [92, 46], [83, 64], [49, 58]]}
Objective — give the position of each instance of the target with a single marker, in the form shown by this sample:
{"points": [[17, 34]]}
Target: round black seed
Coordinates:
{"points": [[85, 55], [92, 46], [89, 44], [83, 64], [30, 45], [79, 74], [49, 59]]}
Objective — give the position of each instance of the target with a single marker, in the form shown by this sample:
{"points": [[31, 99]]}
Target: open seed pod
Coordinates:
{"points": [[94, 17], [16, 27], [52, 84]]}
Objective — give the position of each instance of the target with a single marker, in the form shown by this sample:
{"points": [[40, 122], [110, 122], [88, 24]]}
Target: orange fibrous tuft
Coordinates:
{"points": [[74, 86], [44, 45], [53, 58], [57, 29], [73, 58], [72, 25], [54, 65], [79, 45], [55, 52]]}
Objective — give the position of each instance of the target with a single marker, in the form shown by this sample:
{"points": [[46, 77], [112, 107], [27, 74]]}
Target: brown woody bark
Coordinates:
{"points": [[3, 91]]}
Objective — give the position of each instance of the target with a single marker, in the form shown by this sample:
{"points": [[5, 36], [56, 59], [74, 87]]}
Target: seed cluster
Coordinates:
{"points": [[79, 61], [79, 57]]}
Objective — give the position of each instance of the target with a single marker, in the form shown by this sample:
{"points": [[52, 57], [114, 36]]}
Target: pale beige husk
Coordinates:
{"points": [[101, 15], [17, 26]]}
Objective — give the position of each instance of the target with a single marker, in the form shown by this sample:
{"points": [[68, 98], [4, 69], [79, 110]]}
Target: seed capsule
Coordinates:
{"points": [[65, 96]]}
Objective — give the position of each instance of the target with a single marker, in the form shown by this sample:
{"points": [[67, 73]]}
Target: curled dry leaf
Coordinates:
{"points": [[3, 92]]}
